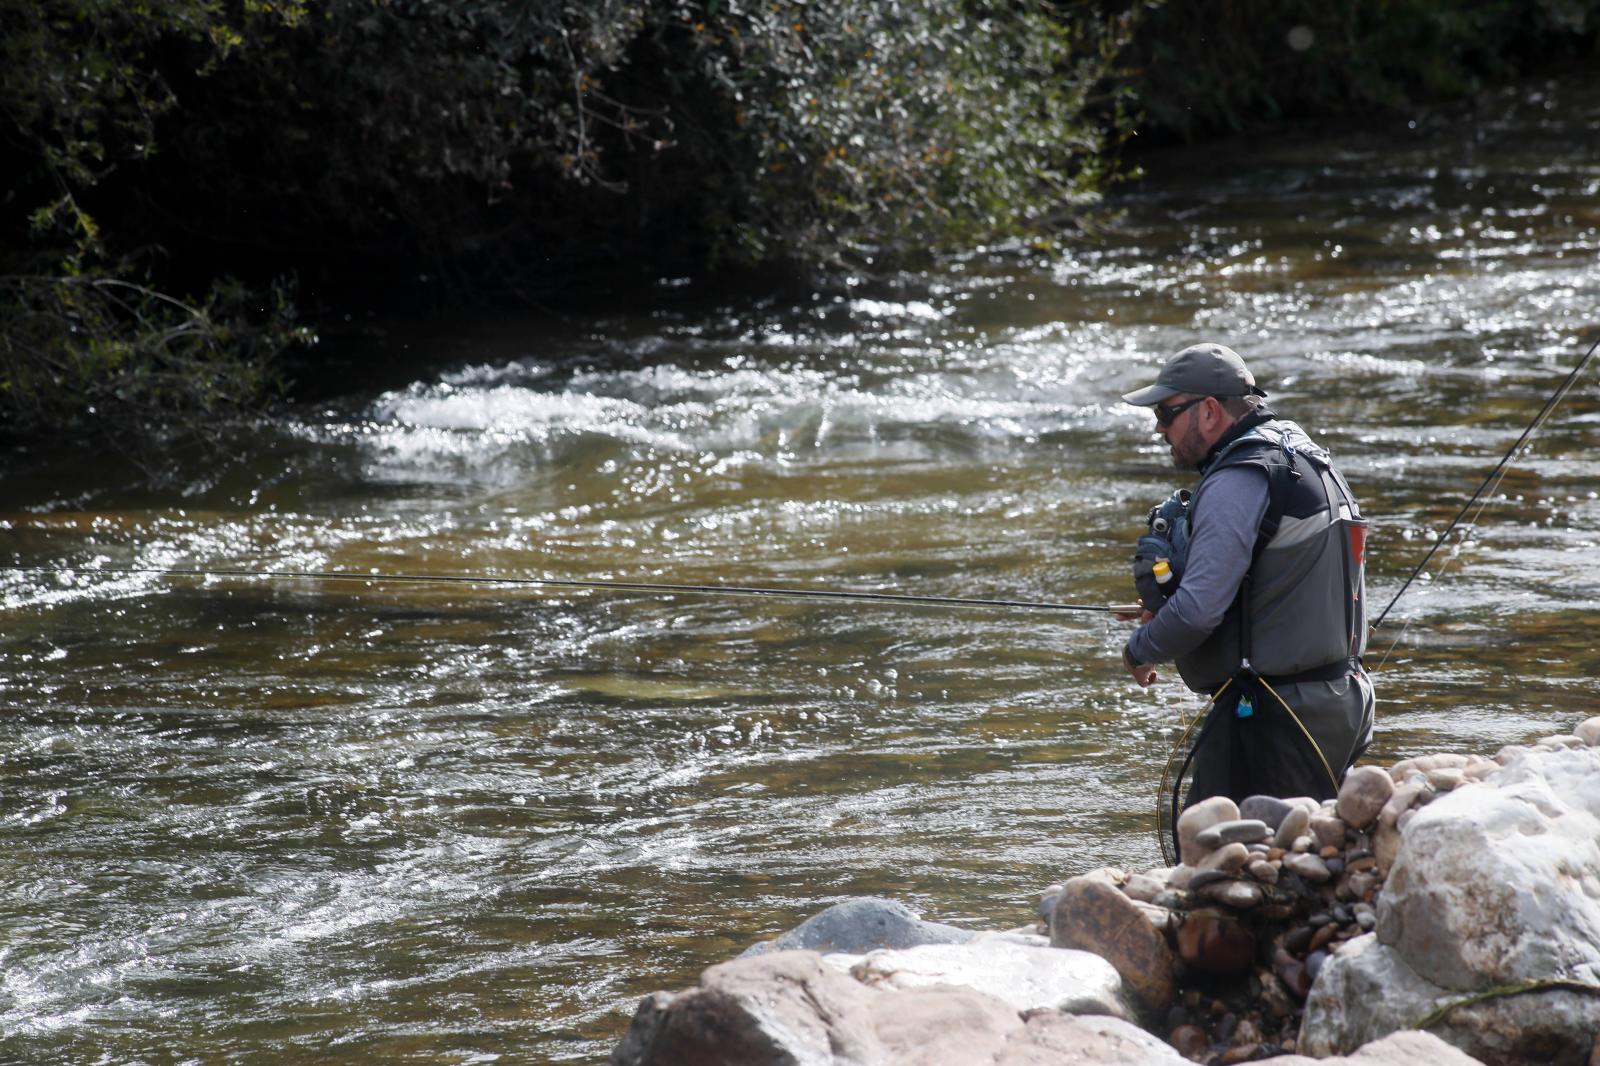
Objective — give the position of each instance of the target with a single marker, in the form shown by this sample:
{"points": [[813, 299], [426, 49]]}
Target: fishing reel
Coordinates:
{"points": [[1159, 555]]}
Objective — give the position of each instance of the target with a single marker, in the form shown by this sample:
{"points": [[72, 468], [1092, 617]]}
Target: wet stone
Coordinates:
{"points": [[1294, 825], [1327, 831], [1364, 792], [1242, 831], [1309, 867], [1197, 819], [1240, 895], [1270, 810], [1229, 858]]}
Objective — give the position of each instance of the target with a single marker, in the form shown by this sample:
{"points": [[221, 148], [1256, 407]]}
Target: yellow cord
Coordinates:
{"points": [[1332, 777]]}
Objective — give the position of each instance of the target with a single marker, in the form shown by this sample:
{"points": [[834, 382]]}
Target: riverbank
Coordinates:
{"points": [[1442, 909]]}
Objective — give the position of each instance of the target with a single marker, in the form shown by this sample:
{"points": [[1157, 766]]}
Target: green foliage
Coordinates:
{"points": [[95, 356], [1222, 65]]}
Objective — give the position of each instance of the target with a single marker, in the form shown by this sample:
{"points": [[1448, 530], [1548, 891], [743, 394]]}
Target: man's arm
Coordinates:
{"points": [[1220, 549]]}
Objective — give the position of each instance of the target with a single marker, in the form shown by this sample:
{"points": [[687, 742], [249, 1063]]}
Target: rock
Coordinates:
{"points": [[1588, 731], [1202, 816], [1294, 825], [1310, 867], [1532, 1029], [1263, 871], [1215, 942], [1446, 778], [1240, 895], [1092, 916], [1385, 846], [1028, 978], [859, 925], [1402, 800], [1364, 792], [1144, 887], [1327, 831], [1269, 810], [1053, 1039], [784, 1007], [1241, 831], [1191, 1041], [1410, 1047], [788, 1009], [1229, 859], [1494, 885]]}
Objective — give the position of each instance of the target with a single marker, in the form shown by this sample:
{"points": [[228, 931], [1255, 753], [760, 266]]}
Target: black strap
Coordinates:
{"points": [[1331, 672]]}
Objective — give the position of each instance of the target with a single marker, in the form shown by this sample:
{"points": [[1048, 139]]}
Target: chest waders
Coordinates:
{"points": [[1246, 699]]}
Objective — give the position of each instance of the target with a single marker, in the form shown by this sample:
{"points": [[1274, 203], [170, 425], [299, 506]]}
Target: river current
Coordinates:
{"points": [[298, 821]]}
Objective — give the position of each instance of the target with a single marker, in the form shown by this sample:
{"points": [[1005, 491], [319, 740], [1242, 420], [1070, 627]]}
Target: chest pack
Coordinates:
{"points": [[1162, 551], [1160, 554]]}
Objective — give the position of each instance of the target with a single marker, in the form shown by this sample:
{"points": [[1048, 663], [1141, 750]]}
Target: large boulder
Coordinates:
{"points": [[1026, 977], [1495, 889], [1409, 1048], [1500, 883], [791, 1009], [1367, 991], [1091, 915], [862, 924]]}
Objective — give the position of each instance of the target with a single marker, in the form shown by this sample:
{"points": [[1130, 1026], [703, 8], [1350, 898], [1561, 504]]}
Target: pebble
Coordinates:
{"points": [[1364, 792], [1241, 831], [1294, 825], [1328, 830], [1269, 810], [1314, 963], [1446, 778], [1307, 866], [1190, 1041], [1198, 818], [1202, 878], [1229, 858], [1144, 887], [1215, 941], [1240, 895], [1264, 871]]}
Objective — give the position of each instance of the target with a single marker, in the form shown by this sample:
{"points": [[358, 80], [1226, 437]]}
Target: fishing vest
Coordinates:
{"points": [[1300, 614]]}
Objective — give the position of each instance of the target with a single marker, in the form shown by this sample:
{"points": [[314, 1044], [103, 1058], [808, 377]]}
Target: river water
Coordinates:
{"points": [[294, 821]]}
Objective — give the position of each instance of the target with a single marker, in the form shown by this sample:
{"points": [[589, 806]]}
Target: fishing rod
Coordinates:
{"points": [[1494, 477], [569, 583]]}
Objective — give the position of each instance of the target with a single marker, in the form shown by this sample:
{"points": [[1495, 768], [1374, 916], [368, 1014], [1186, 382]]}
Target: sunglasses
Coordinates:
{"points": [[1165, 416]]}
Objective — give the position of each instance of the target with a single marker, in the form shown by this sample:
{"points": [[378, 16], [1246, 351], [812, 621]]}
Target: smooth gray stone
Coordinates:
{"points": [[1240, 831], [1294, 825], [1268, 809], [860, 925]]}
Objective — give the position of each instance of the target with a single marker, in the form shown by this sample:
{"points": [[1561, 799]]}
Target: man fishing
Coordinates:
{"points": [[1254, 585]]}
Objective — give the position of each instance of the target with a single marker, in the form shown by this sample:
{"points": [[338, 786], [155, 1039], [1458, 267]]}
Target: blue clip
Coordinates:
{"points": [[1245, 708]]}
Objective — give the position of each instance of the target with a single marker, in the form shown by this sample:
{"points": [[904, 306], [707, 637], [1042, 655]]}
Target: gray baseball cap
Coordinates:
{"points": [[1199, 370]]}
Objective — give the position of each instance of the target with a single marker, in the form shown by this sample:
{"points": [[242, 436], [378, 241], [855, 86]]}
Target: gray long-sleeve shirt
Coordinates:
{"points": [[1220, 547]]}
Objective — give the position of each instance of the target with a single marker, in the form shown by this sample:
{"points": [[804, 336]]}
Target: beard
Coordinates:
{"points": [[1189, 449]]}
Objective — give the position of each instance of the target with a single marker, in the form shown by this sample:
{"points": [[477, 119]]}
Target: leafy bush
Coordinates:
{"points": [[1222, 65]]}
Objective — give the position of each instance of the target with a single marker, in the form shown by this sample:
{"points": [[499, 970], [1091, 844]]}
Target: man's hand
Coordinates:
{"points": [[1143, 673], [1129, 612]]}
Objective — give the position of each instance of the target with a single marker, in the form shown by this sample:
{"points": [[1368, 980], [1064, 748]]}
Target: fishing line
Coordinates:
{"points": [[552, 582], [1481, 496]]}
